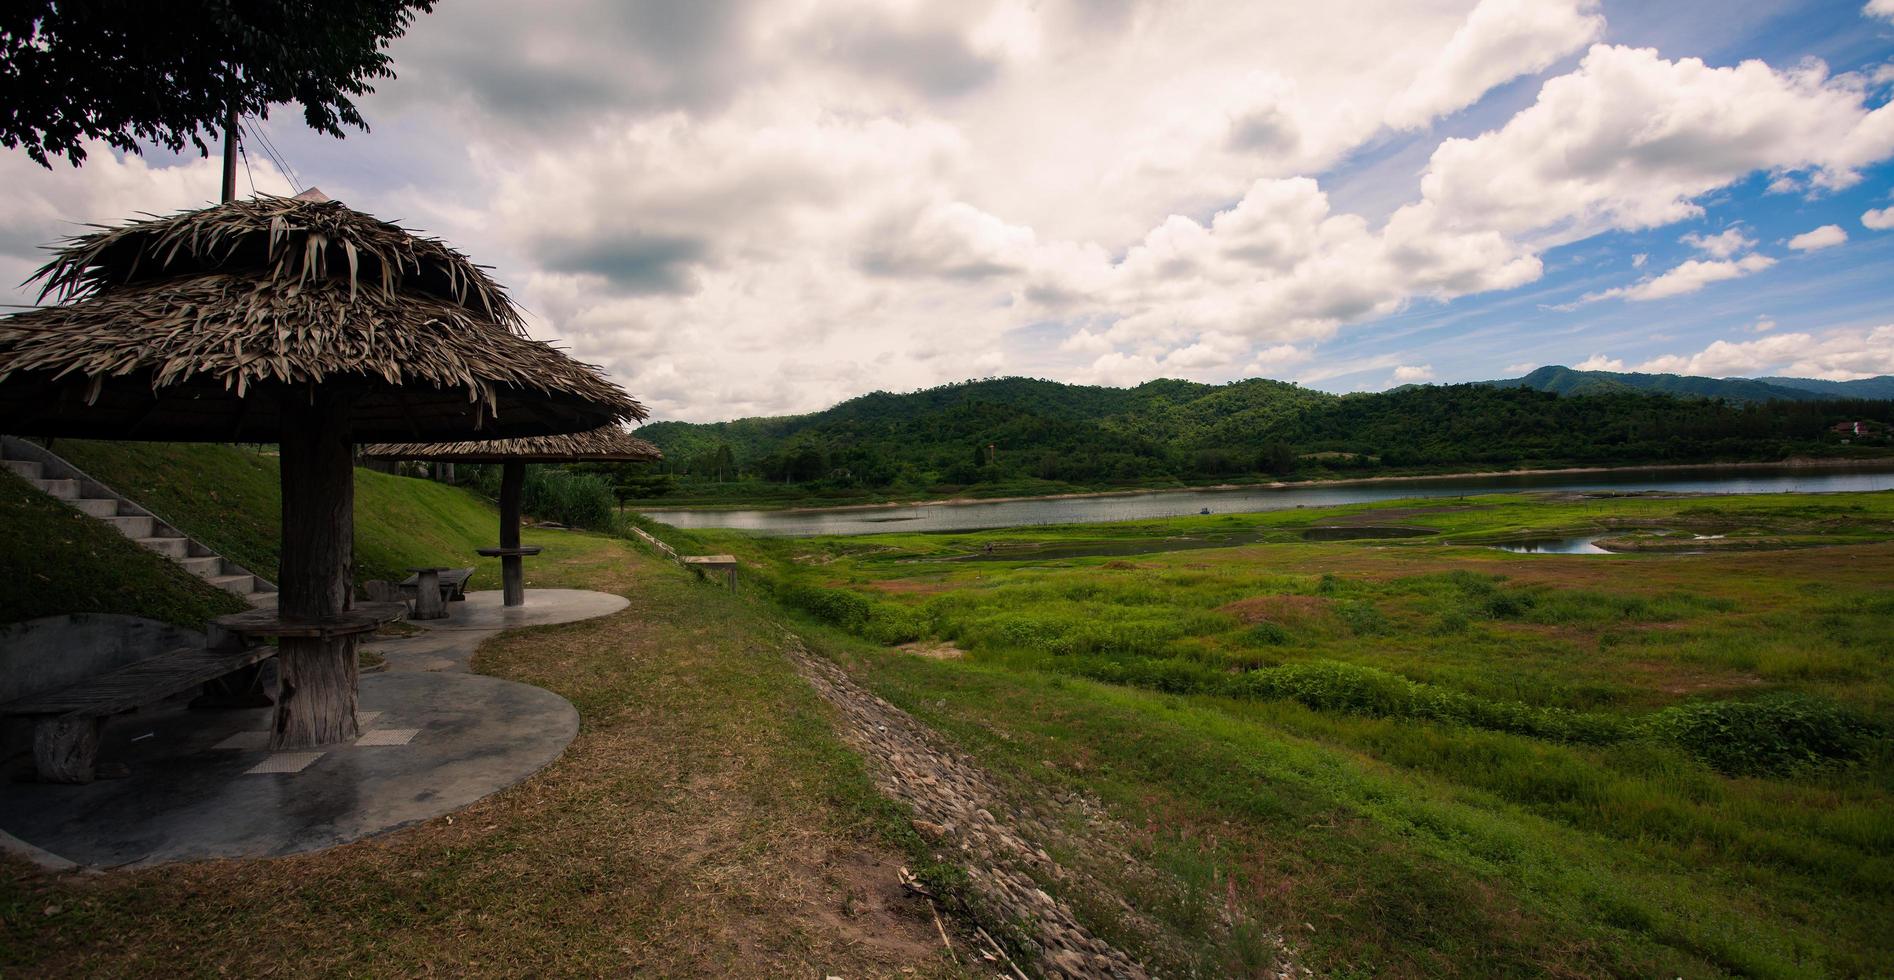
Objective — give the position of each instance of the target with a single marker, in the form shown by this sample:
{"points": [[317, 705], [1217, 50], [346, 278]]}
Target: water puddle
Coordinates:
{"points": [[1582, 545]]}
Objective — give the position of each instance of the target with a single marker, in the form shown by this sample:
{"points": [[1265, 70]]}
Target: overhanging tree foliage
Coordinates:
{"points": [[167, 72]]}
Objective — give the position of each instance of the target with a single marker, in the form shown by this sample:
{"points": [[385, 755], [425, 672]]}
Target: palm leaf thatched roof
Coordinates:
{"points": [[196, 325], [605, 444]]}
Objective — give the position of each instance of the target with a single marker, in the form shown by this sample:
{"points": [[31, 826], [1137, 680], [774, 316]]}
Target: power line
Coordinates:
{"points": [[245, 154], [277, 156], [268, 153]]}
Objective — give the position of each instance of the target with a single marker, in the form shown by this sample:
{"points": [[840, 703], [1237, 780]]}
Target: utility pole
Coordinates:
{"points": [[230, 153]]}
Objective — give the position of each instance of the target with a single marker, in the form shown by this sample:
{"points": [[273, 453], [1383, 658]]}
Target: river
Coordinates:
{"points": [[1140, 506]]}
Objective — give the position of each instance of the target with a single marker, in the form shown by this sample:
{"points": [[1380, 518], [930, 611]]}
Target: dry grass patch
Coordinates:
{"points": [[1288, 611], [704, 823]]}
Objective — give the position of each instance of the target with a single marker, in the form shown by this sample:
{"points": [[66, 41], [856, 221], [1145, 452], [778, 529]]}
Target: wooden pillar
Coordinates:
{"points": [[512, 570], [316, 698]]}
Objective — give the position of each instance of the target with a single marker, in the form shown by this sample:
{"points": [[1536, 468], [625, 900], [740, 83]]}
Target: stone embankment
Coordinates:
{"points": [[954, 804]]}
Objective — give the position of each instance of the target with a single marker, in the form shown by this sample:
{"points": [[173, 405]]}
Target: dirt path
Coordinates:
{"points": [[955, 803]]}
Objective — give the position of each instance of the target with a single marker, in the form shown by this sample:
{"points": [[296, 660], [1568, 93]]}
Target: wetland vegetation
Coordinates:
{"points": [[1415, 754]]}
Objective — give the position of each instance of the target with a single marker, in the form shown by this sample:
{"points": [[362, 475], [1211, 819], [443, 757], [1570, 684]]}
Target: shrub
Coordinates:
{"points": [[1267, 634], [836, 607], [1766, 737], [1363, 618], [574, 499]]}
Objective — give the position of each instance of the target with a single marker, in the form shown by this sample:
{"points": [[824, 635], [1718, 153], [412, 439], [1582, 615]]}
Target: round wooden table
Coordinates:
{"points": [[512, 574], [263, 623]]}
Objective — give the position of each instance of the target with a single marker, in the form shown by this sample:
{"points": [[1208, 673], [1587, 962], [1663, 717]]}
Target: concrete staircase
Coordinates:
{"points": [[67, 483]]}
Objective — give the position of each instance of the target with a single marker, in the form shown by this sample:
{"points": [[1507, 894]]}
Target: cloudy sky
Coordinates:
{"points": [[744, 208]]}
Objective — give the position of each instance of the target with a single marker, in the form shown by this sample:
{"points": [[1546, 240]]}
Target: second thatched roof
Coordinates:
{"points": [[195, 325], [605, 444]]}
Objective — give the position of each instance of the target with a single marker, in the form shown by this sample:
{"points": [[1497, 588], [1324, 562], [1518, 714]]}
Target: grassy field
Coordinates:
{"points": [[1425, 755], [1409, 756]]}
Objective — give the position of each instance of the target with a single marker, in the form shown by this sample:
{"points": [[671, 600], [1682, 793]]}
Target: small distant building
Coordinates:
{"points": [[1858, 429]]}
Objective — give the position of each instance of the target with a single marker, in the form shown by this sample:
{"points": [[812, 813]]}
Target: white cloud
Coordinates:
{"points": [[1763, 325], [44, 206], [1638, 260], [1881, 219], [1688, 277], [1883, 9], [1722, 245], [1521, 367], [1827, 236], [1631, 140], [1411, 373], [744, 208], [1599, 362], [1839, 355], [1500, 40]]}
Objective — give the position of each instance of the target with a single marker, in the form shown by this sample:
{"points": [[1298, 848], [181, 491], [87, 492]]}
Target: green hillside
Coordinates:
{"points": [[229, 498], [1878, 387], [1569, 381], [1027, 435], [58, 560]]}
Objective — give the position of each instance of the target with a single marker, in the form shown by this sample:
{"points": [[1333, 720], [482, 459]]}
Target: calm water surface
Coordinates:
{"points": [[1144, 506]]}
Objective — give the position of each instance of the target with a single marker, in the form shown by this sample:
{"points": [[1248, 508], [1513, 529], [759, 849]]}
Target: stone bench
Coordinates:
{"points": [[453, 584], [68, 721]]}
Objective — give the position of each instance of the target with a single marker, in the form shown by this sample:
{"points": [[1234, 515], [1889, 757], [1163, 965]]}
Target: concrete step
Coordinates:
{"points": [[96, 506], [63, 489], [134, 527], [168, 547], [25, 469], [209, 566], [240, 584]]}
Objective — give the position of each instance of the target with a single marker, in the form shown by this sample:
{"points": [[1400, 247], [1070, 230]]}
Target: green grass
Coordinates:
{"points": [[230, 498], [58, 560], [1433, 752]]}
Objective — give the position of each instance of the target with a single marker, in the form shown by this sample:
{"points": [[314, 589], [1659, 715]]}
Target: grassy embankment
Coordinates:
{"points": [[1427, 757], [230, 498], [706, 822], [57, 560]]}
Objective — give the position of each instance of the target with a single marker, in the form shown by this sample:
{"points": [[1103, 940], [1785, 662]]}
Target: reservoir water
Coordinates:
{"points": [[1144, 506]]}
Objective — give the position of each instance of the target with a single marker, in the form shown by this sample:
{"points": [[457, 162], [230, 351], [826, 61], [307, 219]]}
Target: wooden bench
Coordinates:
{"points": [[69, 721], [705, 564], [453, 584]]}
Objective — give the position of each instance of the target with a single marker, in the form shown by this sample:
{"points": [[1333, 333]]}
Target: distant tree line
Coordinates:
{"points": [[1019, 430]]}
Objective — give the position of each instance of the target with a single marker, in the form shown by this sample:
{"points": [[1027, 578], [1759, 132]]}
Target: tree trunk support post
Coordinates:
{"points": [[512, 568], [316, 696]]}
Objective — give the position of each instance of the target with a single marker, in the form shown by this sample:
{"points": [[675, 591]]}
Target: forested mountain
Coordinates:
{"points": [[1570, 381], [1879, 387], [1013, 430]]}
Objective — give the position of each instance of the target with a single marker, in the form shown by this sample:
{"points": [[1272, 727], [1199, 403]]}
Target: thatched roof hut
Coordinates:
{"points": [[174, 326], [608, 444], [301, 322]]}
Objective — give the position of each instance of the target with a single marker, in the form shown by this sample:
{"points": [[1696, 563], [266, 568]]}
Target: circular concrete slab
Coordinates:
{"points": [[203, 785], [544, 607]]}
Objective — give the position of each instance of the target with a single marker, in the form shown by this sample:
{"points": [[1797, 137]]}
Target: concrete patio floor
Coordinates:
{"points": [[204, 784], [544, 607]]}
